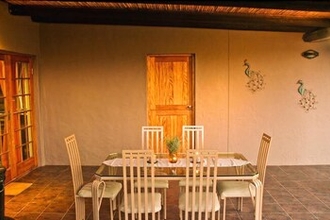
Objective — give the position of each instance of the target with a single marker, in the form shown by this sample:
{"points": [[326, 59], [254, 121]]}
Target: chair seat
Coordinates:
{"points": [[158, 205], [182, 183], [182, 202], [157, 183], [111, 190], [234, 189]]}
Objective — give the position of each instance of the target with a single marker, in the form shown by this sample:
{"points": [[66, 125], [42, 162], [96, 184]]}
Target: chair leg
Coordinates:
{"points": [[80, 208], [224, 209], [240, 204], [164, 204], [111, 208]]}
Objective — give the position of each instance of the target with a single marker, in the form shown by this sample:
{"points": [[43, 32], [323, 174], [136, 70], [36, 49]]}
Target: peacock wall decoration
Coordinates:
{"points": [[256, 79], [308, 98]]}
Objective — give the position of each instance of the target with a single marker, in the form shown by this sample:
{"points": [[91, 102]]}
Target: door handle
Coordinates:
{"points": [[189, 107]]}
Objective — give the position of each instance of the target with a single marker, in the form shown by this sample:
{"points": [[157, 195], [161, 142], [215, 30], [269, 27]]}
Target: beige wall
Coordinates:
{"points": [[92, 83], [18, 33]]}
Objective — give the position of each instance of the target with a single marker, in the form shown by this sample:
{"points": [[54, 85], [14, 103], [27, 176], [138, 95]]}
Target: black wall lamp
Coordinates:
{"points": [[317, 35]]}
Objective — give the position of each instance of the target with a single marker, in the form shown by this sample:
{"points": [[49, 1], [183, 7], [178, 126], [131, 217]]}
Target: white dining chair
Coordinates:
{"points": [[140, 199], [241, 189], [84, 190], [198, 202], [192, 138], [153, 139]]}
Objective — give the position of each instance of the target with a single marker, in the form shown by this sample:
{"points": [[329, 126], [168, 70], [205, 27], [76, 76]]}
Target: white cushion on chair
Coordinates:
{"points": [[158, 184], [182, 183], [182, 202], [158, 203], [235, 189], [111, 190]]}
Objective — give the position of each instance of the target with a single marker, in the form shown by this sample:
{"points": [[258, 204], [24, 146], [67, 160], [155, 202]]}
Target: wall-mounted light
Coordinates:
{"points": [[321, 34], [310, 54]]}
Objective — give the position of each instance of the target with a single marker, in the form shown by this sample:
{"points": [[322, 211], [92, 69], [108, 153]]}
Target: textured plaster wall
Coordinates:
{"points": [[300, 137], [18, 33], [93, 85]]}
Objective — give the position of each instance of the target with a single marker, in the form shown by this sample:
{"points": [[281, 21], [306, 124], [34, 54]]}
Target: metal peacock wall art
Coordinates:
{"points": [[308, 98], [256, 79]]}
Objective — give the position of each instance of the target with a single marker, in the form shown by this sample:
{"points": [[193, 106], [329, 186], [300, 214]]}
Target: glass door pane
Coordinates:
{"points": [[5, 155], [22, 112], [4, 150]]}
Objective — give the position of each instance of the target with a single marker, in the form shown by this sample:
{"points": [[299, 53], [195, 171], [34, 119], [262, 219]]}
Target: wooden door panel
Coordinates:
{"points": [[170, 86]]}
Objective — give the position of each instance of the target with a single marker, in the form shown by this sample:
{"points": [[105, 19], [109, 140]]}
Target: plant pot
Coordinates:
{"points": [[172, 157]]}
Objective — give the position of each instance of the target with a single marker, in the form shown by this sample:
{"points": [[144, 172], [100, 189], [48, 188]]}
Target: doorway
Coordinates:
{"points": [[18, 150], [171, 92]]}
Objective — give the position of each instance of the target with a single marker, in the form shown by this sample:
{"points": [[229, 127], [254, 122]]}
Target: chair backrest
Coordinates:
{"points": [[75, 163], [138, 181], [192, 137], [263, 156], [200, 173], [153, 138]]}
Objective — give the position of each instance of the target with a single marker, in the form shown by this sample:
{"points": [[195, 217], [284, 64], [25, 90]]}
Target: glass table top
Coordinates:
{"points": [[237, 167]]}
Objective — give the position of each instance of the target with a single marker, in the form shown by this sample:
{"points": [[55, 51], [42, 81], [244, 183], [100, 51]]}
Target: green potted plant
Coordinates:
{"points": [[173, 145]]}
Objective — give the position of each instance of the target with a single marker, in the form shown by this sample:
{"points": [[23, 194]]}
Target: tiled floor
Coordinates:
{"points": [[291, 192]]}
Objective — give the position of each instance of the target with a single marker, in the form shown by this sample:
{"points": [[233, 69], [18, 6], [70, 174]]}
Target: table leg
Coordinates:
{"points": [[97, 197], [258, 199]]}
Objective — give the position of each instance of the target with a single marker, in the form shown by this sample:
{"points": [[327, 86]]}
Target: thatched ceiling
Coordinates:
{"points": [[293, 16]]}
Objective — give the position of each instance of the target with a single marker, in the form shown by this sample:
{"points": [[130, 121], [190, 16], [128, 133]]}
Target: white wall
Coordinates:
{"points": [[92, 83]]}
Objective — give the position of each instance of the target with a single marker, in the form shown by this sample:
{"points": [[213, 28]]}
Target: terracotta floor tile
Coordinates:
{"points": [[290, 193]]}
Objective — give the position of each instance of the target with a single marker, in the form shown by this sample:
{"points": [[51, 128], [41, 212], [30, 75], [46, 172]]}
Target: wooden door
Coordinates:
{"points": [[170, 92], [18, 151]]}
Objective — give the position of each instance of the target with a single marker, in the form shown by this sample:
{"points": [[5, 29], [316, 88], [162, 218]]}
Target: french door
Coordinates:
{"points": [[18, 150]]}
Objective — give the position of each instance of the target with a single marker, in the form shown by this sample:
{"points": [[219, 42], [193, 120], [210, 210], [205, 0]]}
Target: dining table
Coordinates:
{"points": [[231, 166]]}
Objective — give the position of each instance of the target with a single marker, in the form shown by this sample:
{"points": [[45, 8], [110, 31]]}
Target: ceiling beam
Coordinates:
{"points": [[293, 16], [315, 5]]}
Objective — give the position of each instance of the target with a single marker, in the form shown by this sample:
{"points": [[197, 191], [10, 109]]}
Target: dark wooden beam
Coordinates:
{"points": [[172, 18]]}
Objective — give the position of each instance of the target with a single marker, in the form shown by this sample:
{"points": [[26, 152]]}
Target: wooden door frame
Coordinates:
{"points": [[16, 169]]}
